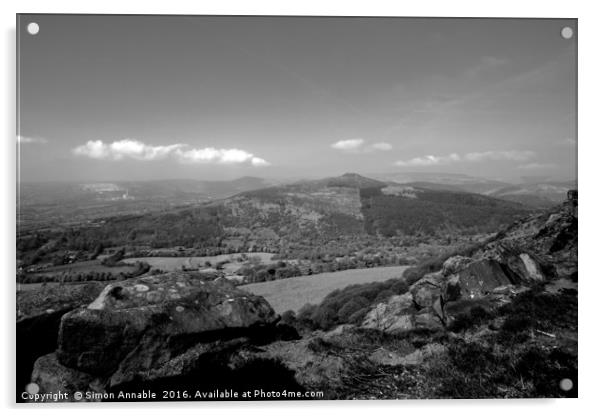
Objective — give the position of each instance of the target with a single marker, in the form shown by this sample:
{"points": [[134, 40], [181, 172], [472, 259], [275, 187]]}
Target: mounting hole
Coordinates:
{"points": [[33, 28], [32, 388], [566, 32], [566, 384]]}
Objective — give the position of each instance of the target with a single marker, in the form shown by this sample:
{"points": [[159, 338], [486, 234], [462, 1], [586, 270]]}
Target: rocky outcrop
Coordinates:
{"points": [[154, 328], [455, 264], [39, 313], [397, 314], [51, 376], [541, 248], [479, 278]]}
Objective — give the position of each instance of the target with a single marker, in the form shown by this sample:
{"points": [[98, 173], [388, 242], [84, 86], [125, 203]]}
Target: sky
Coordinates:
{"points": [[209, 97]]}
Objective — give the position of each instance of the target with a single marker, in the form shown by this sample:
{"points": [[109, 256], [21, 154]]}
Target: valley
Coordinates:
{"points": [[400, 279]]}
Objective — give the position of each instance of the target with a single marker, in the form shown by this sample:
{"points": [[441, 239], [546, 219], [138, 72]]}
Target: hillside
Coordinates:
{"points": [[414, 210], [496, 321], [59, 204], [449, 181], [543, 195], [330, 216], [531, 192]]}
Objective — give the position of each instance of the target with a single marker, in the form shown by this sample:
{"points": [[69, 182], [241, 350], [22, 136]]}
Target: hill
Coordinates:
{"points": [[335, 216], [353, 205], [468, 183], [56, 204], [541, 194], [498, 320], [532, 192], [415, 210]]}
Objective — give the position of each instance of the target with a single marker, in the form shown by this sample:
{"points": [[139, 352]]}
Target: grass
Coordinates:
{"points": [[168, 263], [476, 316], [513, 362], [350, 304], [294, 293], [84, 266], [518, 360], [480, 370]]}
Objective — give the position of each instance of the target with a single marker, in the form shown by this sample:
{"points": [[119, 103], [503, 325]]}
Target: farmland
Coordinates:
{"points": [[294, 293], [231, 262]]}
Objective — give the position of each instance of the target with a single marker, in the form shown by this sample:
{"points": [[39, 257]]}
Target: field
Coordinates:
{"points": [[294, 293], [193, 262], [81, 268]]}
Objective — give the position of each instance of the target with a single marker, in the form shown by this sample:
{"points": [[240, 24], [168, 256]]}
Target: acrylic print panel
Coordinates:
{"points": [[283, 208]]}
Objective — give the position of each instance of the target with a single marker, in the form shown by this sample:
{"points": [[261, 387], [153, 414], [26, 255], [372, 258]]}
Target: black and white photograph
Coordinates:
{"points": [[295, 208]]}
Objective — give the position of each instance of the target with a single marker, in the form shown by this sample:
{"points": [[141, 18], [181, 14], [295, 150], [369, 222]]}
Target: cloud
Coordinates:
{"points": [[430, 160], [359, 145], [536, 166], [135, 149], [259, 162], [27, 139], [499, 156], [382, 146], [348, 144], [220, 156], [126, 148]]}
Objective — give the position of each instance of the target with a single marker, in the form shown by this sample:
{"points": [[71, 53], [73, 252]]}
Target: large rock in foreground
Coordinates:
{"points": [[51, 376], [39, 313], [142, 325]]}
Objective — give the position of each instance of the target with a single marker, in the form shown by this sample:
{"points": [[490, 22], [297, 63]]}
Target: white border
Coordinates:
{"points": [[590, 93]]}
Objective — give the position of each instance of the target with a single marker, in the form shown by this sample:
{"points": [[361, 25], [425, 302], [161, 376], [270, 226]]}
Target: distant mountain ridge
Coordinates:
{"points": [[381, 207], [331, 215], [537, 194]]}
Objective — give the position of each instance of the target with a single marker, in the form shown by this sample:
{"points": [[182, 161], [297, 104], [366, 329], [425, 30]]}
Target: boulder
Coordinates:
{"points": [[39, 313], [429, 318], [435, 287], [531, 267], [455, 264], [52, 377], [520, 266], [480, 277], [395, 315], [428, 289], [505, 293], [141, 324], [141, 366]]}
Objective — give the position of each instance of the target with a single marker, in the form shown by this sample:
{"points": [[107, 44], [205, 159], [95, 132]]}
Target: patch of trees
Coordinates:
{"points": [[192, 227], [31, 242], [348, 305], [434, 213], [139, 269], [113, 259], [254, 272]]}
